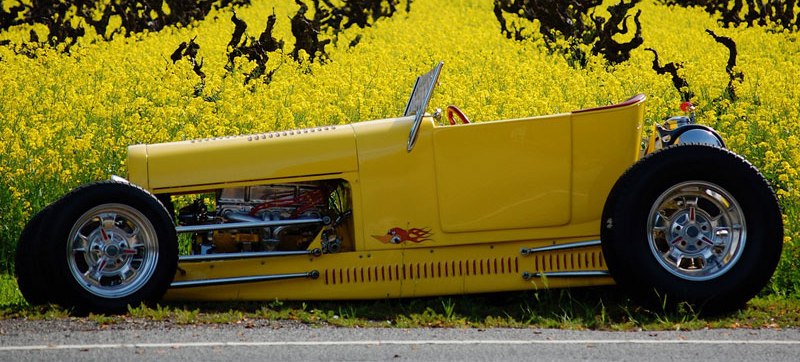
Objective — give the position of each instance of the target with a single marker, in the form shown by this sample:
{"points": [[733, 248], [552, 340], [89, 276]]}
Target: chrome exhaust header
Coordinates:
{"points": [[236, 256], [244, 225]]}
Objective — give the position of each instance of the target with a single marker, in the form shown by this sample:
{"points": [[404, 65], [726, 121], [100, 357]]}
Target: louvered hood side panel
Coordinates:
{"points": [[216, 161]]}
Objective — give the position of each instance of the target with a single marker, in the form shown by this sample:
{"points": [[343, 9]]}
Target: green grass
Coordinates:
{"points": [[586, 308], [10, 296]]}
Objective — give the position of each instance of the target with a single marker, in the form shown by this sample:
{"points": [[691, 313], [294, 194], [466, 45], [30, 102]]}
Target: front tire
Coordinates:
{"points": [[112, 245], [692, 224]]}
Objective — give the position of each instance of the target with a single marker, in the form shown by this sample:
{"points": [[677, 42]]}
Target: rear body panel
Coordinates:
{"points": [[504, 175]]}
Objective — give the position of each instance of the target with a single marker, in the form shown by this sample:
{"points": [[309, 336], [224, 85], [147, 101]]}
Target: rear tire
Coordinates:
{"points": [[112, 245], [32, 274], [692, 224]]}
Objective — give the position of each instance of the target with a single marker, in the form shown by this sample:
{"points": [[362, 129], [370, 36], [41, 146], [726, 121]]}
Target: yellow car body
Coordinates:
{"points": [[482, 192], [412, 206]]}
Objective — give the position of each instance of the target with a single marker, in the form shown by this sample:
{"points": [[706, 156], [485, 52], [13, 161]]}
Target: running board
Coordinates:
{"points": [[240, 280], [566, 274], [581, 244], [250, 255]]}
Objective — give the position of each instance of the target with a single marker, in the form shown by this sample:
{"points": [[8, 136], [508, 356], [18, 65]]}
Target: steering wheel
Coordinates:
{"points": [[451, 110]]}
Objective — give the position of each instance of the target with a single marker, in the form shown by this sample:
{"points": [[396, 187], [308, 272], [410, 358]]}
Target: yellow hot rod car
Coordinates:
{"points": [[409, 207]]}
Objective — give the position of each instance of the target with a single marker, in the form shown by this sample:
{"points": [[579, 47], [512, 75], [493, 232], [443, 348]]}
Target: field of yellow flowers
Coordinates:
{"points": [[66, 119]]}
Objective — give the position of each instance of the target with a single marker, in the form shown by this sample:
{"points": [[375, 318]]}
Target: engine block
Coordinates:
{"points": [[324, 204]]}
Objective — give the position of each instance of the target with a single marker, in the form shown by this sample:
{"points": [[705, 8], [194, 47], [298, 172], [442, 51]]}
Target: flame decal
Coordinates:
{"points": [[398, 235]]}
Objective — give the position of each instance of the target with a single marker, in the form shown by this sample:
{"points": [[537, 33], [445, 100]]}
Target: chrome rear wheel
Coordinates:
{"points": [[696, 230], [692, 224]]}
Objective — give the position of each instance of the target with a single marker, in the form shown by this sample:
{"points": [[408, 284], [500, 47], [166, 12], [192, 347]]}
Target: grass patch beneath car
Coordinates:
{"points": [[604, 308]]}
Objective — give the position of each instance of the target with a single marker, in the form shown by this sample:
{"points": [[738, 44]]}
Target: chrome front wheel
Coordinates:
{"points": [[112, 250], [111, 245]]}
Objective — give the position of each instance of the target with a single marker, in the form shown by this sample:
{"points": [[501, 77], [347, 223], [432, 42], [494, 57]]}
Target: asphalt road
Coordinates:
{"points": [[78, 339]]}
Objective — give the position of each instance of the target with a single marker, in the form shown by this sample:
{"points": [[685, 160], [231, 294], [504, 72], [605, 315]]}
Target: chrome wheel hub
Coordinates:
{"points": [[696, 230], [691, 231]]}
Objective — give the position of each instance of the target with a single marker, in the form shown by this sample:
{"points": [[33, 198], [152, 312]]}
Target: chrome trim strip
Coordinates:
{"points": [[217, 185], [580, 244], [247, 279], [566, 274], [243, 225], [119, 179], [255, 254]]}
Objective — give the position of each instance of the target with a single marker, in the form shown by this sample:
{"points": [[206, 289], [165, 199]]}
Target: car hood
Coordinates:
{"points": [[211, 162]]}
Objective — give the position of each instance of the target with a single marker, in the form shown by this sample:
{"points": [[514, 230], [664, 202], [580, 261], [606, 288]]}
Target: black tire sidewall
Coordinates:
{"points": [[78, 202], [624, 234], [31, 272]]}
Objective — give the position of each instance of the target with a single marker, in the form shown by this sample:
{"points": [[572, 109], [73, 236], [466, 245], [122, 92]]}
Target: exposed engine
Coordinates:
{"points": [[295, 215]]}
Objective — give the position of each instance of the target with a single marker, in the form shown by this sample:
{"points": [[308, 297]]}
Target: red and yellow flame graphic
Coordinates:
{"points": [[398, 235]]}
